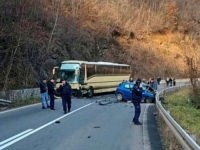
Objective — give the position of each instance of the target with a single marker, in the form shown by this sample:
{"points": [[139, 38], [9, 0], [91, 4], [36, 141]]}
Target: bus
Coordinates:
{"points": [[89, 78]]}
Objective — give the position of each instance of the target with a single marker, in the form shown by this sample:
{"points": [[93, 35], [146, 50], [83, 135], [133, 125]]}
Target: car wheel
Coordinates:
{"points": [[119, 97], [148, 100], [90, 92]]}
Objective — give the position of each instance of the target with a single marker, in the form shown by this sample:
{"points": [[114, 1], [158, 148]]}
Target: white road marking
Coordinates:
{"points": [[40, 128], [14, 137], [146, 141]]}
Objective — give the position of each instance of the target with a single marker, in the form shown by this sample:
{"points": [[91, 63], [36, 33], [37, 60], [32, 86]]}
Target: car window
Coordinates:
{"points": [[127, 86], [148, 88]]}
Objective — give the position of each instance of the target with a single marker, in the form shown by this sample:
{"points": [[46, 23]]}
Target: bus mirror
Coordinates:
{"points": [[76, 71], [54, 70]]}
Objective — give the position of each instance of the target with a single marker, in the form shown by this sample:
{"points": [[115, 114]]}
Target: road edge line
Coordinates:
{"points": [[145, 137]]}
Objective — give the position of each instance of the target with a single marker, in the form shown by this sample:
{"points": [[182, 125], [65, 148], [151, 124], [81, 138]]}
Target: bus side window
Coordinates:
{"points": [[123, 71], [116, 69], [100, 69], [90, 70], [109, 69], [127, 70]]}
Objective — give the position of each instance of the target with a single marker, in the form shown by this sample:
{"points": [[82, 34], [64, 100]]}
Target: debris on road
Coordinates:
{"points": [[105, 101], [57, 121], [96, 126], [89, 137]]}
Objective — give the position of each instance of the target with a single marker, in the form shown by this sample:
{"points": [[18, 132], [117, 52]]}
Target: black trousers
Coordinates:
{"points": [[52, 101], [137, 112], [66, 101]]}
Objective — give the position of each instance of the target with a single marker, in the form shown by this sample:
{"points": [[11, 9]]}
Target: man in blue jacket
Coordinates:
{"points": [[136, 99], [65, 90]]}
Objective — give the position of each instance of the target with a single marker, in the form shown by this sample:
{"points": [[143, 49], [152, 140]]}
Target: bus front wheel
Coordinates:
{"points": [[90, 92]]}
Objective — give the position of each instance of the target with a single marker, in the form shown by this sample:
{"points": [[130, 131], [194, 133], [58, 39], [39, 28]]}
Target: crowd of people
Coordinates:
{"points": [[170, 81], [47, 88], [153, 83]]}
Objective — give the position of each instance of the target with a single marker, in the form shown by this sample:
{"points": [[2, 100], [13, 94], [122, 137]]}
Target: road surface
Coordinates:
{"points": [[89, 126]]}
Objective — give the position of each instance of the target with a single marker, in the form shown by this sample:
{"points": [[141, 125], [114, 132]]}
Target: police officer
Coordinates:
{"points": [[65, 90], [136, 99]]}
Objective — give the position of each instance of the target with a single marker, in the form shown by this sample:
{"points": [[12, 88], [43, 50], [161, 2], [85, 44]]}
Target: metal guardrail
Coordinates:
{"points": [[184, 139], [5, 102]]}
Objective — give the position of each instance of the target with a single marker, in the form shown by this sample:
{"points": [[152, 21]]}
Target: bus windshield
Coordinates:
{"points": [[67, 72]]}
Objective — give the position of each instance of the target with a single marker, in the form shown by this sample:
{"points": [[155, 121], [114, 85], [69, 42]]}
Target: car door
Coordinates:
{"points": [[126, 91], [129, 93]]}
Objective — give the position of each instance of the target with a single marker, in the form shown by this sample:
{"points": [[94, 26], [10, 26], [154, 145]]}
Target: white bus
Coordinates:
{"points": [[91, 77]]}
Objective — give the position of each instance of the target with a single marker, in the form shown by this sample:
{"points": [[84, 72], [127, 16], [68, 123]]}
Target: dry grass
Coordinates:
{"points": [[184, 113]]}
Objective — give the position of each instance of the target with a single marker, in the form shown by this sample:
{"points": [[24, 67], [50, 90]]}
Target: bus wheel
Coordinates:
{"points": [[148, 100], [90, 92], [119, 97]]}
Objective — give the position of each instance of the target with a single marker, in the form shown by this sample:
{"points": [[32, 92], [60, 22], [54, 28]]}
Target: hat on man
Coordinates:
{"points": [[138, 81], [43, 79]]}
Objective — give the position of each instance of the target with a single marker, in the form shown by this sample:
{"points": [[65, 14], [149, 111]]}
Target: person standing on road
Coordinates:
{"points": [[151, 82], [174, 81], [158, 80], [167, 81], [51, 92], [131, 80], [136, 99], [43, 91], [170, 81], [65, 90], [155, 85]]}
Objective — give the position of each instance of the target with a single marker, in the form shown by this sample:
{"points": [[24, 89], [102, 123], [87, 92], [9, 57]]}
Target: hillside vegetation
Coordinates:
{"points": [[155, 37]]}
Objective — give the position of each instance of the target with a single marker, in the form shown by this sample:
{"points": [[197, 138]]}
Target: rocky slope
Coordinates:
{"points": [[153, 36]]}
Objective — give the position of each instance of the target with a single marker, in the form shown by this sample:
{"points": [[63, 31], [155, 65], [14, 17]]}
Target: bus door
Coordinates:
{"points": [[81, 74]]}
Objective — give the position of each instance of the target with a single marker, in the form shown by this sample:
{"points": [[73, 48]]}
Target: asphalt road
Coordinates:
{"points": [[89, 126]]}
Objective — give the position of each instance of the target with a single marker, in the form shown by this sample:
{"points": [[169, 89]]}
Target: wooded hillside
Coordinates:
{"points": [[153, 36]]}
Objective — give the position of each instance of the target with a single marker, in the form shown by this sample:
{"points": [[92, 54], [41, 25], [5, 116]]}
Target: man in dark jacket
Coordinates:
{"points": [[51, 92], [170, 81], [65, 90], [136, 99], [43, 91]]}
